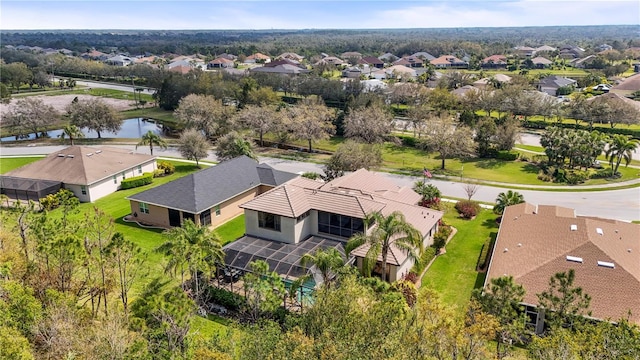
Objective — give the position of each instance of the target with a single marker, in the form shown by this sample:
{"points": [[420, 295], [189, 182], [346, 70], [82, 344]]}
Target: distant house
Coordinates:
{"points": [[628, 86], [449, 62], [551, 84], [464, 90], [185, 64], [536, 242], [525, 51], [257, 58], [285, 62], [351, 55], [290, 56], [425, 56], [571, 52], [119, 60], [545, 48], [330, 60], [352, 72], [302, 214], [372, 61], [604, 47], [410, 61], [484, 82], [220, 62], [94, 55], [89, 172], [208, 197], [494, 62], [541, 62], [583, 63], [287, 69], [388, 57], [400, 72]]}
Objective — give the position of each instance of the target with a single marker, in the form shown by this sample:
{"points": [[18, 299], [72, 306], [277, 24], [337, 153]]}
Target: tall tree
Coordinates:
{"points": [[31, 114], [205, 113], [351, 156], [311, 121], [264, 289], [151, 139], [370, 125], [99, 228], [507, 199], [94, 114], [449, 139], [233, 145], [565, 301], [327, 262], [387, 231], [193, 145], [128, 261], [620, 148], [260, 119]]}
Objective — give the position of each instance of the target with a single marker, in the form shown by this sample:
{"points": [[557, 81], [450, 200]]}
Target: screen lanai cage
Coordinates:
{"points": [[25, 189], [283, 258]]}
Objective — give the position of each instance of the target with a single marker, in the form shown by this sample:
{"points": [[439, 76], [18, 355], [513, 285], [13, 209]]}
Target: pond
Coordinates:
{"points": [[131, 128]]}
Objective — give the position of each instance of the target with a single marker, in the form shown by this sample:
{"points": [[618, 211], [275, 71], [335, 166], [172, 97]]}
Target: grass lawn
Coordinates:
{"points": [[7, 164], [453, 275], [152, 113], [231, 230]]}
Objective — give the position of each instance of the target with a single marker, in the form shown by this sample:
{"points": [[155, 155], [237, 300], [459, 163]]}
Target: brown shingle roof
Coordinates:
{"points": [[81, 165], [533, 244]]}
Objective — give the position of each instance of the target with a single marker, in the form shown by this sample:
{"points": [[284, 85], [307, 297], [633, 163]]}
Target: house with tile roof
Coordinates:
{"points": [[494, 62], [449, 62], [220, 62], [304, 209], [536, 242], [209, 197], [425, 56], [257, 58], [628, 86], [371, 61], [541, 62], [89, 172]]}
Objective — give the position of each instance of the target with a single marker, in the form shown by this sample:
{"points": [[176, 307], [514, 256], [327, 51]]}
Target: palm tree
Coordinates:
{"points": [[507, 199], [620, 147], [151, 138], [430, 194], [392, 229], [193, 246], [326, 261], [72, 132]]}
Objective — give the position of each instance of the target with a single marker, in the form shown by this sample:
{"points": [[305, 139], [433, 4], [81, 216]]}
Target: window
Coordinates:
{"points": [[339, 225], [144, 208], [217, 210], [139, 169], [83, 189], [115, 179], [205, 217], [268, 221]]}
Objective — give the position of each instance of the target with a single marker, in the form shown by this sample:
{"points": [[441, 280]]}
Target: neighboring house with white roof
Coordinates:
{"points": [[89, 172]]}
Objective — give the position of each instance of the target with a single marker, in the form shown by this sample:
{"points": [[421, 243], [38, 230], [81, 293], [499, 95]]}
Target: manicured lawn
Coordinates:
{"points": [[231, 230], [152, 113], [453, 275], [9, 163]]}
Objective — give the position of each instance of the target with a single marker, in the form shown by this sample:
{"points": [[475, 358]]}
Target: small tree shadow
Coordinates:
{"points": [[490, 164], [530, 168]]}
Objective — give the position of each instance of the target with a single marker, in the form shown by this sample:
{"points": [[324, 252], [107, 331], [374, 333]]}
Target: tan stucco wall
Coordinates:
{"points": [[157, 215], [307, 226], [286, 233], [231, 208]]}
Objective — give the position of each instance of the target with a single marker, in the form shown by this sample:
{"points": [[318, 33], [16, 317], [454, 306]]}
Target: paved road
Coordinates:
{"points": [[103, 85], [616, 204]]}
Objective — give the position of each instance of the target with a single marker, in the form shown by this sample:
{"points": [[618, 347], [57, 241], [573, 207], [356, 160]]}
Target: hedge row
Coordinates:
{"points": [[136, 181], [539, 124]]}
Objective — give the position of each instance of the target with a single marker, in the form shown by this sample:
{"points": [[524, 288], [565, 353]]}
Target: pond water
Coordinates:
{"points": [[131, 128]]}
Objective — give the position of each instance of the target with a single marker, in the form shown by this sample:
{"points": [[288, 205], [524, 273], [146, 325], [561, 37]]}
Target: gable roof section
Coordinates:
{"points": [[533, 244], [81, 165], [199, 191]]}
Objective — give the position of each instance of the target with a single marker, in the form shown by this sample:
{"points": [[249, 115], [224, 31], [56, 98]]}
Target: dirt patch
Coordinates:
{"points": [[60, 102]]}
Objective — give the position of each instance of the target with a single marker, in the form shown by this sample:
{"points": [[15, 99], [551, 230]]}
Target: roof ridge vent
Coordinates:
{"points": [[574, 227], [60, 155], [98, 151], [574, 259], [599, 231], [607, 264], [70, 156]]}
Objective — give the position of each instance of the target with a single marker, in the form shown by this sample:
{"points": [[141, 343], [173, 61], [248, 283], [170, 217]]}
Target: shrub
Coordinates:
{"points": [[311, 175], [408, 141], [544, 177], [467, 209], [158, 173], [601, 174], [412, 277], [167, 167], [507, 155], [427, 255], [50, 202], [222, 297], [440, 237], [577, 177], [136, 181], [483, 260]]}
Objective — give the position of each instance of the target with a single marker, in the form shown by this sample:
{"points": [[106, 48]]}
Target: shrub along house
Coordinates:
{"points": [[89, 172], [208, 197], [536, 242], [303, 215]]}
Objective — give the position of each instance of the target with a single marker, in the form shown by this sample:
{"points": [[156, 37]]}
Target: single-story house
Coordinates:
{"points": [[494, 62], [450, 62], [305, 210], [257, 58], [501, 78], [462, 91], [208, 197], [220, 62], [524, 51], [89, 172], [330, 60], [351, 55], [628, 86], [425, 56], [119, 60], [546, 48], [280, 69], [400, 72], [541, 62], [583, 63], [388, 57], [551, 84], [536, 242], [371, 61], [290, 56]]}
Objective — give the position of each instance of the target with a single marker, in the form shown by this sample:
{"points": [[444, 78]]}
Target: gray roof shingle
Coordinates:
{"points": [[202, 190]]}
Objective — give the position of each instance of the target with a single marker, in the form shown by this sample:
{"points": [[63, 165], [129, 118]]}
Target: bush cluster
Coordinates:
{"points": [[467, 208], [571, 176], [427, 255], [229, 300], [167, 167], [507, 155], [483, 260], [52, 201], [136, 181]]}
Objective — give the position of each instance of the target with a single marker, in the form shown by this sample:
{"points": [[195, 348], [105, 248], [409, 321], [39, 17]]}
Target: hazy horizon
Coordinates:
{"points": [[27, 15]]}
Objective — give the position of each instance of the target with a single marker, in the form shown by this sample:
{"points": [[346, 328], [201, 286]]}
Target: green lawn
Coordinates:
{"points": [[7, 164], [231, 230], [453, 275]]}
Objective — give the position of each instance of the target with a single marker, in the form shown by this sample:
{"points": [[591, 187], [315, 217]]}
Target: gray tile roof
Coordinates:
{"points": [[202, 190]]}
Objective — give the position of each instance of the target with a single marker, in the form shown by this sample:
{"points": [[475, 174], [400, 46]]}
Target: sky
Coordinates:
{"points": [[318, 14]]}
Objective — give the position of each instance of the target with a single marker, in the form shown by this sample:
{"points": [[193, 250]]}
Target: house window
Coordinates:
{"points": [[339, 225], [268, 221], [217, 210], [144, 208], [115, 179], [205, 217], [83, 189], [303, 216], [139, 169]]}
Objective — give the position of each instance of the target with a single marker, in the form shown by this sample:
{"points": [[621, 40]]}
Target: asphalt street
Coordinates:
{"points": [[615, 204]]}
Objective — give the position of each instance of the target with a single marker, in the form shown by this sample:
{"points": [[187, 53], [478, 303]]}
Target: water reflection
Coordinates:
{"points": [[131, 128]]}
